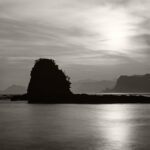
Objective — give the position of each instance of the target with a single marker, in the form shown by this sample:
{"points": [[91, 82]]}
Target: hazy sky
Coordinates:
{"points": [[89, 39]]}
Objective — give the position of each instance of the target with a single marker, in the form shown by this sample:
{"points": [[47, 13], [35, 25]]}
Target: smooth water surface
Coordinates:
{"points": [[74, 127]]}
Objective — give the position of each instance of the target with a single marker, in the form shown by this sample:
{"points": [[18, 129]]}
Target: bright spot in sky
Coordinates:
{"points": [[117, 35], [116, 30]]}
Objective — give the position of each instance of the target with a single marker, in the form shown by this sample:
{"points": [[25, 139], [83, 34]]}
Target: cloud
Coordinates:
{"points": [[87, 33], [61, 24]]}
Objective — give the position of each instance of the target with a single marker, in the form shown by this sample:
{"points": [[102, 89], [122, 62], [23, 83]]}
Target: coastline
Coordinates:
{"points": [[85, 99]]}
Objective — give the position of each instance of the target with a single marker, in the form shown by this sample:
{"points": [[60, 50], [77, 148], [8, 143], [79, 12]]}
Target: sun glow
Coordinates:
{"points": [[117, 36], [116, 32]]}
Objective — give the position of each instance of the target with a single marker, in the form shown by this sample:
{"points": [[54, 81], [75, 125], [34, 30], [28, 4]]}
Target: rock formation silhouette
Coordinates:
{"points": [[47, 82], [132, 84], [50, 85]]}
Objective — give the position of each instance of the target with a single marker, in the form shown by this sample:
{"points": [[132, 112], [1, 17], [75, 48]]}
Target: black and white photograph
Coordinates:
{"points": [[74, 74]]}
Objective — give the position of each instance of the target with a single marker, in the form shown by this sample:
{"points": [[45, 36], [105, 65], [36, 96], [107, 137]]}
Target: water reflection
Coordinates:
{"points": [[74, 127], [116, 112], [115, 128]]}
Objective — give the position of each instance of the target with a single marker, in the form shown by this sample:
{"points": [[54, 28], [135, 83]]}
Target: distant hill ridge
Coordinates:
{"points": [[91, 86], [124, 84], [135, 84], [14, 89]]}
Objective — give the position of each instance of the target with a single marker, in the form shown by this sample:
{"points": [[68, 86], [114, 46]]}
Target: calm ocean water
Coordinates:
{"points": [[74, 127]]}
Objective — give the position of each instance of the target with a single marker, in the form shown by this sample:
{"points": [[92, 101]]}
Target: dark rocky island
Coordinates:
{"points": [[49, 84]]}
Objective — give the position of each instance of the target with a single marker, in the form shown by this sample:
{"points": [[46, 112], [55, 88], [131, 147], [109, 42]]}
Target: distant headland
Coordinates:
{"points": [[49, 84], [131, 84]]}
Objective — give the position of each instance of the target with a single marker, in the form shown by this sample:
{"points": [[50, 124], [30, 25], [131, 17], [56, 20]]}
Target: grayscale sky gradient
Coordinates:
{"points": [[89, 39]]}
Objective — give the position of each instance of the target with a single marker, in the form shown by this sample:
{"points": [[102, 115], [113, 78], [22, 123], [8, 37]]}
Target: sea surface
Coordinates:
{"points": [[74, 127]]}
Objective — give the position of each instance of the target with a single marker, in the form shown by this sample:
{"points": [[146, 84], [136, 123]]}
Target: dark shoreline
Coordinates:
{"points": [[85, 99]]}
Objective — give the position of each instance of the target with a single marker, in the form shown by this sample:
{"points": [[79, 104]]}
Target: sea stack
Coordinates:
{"points": [[48, 83]]}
